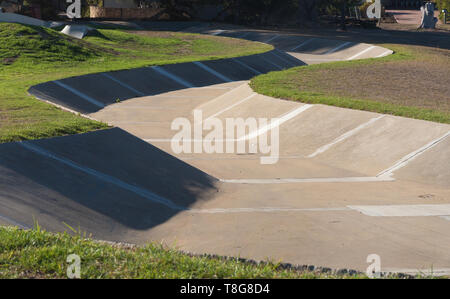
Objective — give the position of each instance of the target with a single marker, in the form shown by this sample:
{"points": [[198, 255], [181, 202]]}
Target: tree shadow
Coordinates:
{"points": [[108, 173], [391, 33]]}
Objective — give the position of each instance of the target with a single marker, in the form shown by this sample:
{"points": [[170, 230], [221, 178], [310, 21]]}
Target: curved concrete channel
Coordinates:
{"points": [[347, 183]]}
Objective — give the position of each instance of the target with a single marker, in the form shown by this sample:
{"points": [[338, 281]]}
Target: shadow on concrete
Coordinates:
{"points": [[294, 44], [388, 34], [106, 174], [91, 93]]}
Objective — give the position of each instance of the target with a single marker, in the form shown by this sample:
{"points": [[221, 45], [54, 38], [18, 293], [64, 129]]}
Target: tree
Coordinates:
{"points": [[307, 10], [338, 7], [257, 12]]}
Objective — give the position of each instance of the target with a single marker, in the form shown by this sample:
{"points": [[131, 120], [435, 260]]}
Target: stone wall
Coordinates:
{"points": [[122, 13]]}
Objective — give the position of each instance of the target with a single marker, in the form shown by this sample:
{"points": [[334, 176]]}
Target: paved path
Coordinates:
{"points": [[348, 183], [408, 17]]}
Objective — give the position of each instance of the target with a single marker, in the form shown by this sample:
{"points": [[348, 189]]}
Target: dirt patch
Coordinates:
{"points": [[406, 84], [159, 34], [9, 60], [423, 82]]}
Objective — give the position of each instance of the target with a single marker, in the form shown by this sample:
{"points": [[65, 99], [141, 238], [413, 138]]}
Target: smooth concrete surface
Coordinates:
{"points": [[410, 17], [432, 167], [312, 207], [344, 143], [77, 31]]}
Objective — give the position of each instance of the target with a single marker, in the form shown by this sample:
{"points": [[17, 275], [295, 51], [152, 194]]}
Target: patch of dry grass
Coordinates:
{"points": [[422, 82], [414, 82]]}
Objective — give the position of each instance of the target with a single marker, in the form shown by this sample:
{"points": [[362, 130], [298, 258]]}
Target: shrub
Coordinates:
{"points": [[441, 4]]}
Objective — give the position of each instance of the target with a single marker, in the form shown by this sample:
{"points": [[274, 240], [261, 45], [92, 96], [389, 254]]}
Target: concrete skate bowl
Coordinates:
{"points": [[348, 183], [110, 182]]}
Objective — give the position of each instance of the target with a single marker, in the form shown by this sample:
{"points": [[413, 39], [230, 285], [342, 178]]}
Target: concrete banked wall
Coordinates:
{"points": [[90, 93]]}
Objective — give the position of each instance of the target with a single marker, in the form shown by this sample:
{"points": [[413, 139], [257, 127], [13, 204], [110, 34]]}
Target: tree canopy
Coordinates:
{"points": [[261, 11]]}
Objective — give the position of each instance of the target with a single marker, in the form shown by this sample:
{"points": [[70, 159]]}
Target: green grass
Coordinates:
{"points": [[413, 82], [39, 254], [32, 55]]}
